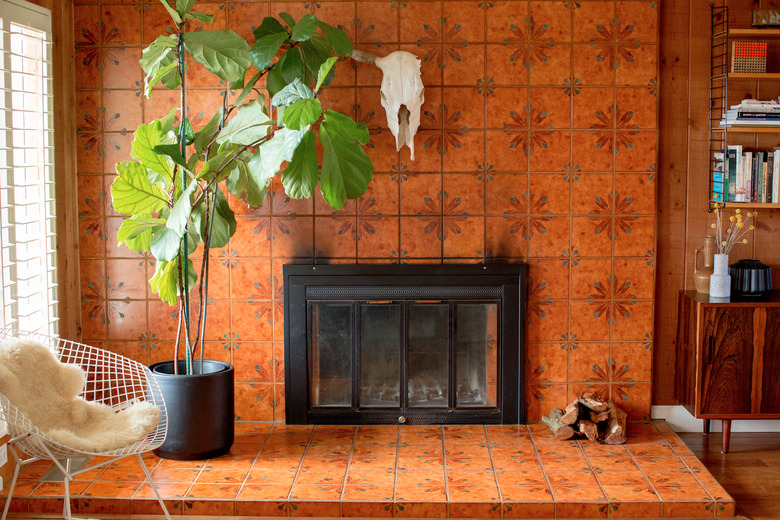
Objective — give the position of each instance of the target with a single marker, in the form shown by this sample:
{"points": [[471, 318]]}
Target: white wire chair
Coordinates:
{"points": [[113, 380]]}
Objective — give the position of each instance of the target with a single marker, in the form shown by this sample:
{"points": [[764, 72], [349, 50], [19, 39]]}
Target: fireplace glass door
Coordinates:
{"points": [[403, 356]]}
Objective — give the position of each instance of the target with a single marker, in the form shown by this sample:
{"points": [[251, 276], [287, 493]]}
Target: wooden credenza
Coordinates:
{"points": [[728, 359]]}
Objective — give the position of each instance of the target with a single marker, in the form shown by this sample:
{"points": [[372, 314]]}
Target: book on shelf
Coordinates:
{"points": [[746, 175]]}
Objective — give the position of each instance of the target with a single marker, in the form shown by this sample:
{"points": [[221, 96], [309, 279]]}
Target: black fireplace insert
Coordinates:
{"points": [[414, 344]]}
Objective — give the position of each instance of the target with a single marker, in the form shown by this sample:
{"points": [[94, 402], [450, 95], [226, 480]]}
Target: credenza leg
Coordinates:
{"points": [[706, 426], [726, 435]]}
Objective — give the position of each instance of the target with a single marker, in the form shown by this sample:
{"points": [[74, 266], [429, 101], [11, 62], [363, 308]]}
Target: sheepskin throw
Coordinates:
{"points": [[47, 393]]}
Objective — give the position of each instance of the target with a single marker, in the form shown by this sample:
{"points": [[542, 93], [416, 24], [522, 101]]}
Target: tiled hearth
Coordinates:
{"points": [[407, 471]]}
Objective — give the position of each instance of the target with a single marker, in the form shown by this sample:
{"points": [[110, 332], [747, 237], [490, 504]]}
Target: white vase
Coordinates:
{"points": [[720, 280]]}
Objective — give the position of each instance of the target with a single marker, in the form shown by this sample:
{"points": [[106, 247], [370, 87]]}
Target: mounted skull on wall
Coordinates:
{"points": [[401, 93]]}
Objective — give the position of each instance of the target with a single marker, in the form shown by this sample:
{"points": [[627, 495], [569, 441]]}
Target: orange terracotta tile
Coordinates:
{"points": [[104, 507], [459, 490], [606, 464], [581, 510], [626, 509], [571, 478], [220, 491], [641, 155], [335, 463], [261, 507], [366, 509], [372, 464], [543, 398], [589, 320], [313, 508], [266, 476], [512, 450], [264, 492], [316, 492], [375, 450], [410, 509], [531, 477], [687, 509], [457, 452], [621, 478], [363, 478], [430, 493], [320, 476], [526, 493], [167, 491], [631, 493], [643, 70], [589, 361], [469, 464], [682, 493], [516, 509]]}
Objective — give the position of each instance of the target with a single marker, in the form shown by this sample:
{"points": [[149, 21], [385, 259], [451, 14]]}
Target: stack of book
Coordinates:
{"points": [[746, 176], [753, 112]]}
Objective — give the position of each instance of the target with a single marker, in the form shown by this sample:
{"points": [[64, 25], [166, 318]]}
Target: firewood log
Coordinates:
{"points": [[571, 413], [593, 401], [598, 417], [561, 431], [588, 428], [615, 432]]}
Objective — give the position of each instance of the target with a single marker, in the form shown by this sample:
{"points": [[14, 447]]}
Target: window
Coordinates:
{"points": [[28, 251]]}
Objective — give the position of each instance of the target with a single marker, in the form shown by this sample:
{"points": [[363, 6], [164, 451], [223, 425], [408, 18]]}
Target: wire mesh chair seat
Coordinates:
{"points": [[112, 380]]}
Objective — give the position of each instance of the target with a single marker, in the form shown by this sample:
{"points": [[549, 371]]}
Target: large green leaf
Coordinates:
{"points": [[171, 11], [292, 65], [288, 19], [268, 159], [180, 213], [337, 38], [301, 175], [158, 61], [165, 281], [346, 127], [200, 17], [184, 6], [304, 29], [291, 93], [303, 112], [265, 49], [324, 71], [246, 127], [146, 137], [269, 25], [274, 82], [204, 136], [315, 51], [173, 151], [224, 222], [223, 53], [132, 193], [166, 242], [243, 185], [136, 232], [346, 168]]}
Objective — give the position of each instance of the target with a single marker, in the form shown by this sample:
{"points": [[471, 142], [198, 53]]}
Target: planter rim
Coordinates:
{"points": [[224, 367]]}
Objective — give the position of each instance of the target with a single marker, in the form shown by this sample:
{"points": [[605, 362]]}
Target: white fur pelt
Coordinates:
{"points": [[47, 393]]}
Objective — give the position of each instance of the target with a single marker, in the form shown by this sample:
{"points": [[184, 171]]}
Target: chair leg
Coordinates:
{"points": [[154, 488], [66, 495]]}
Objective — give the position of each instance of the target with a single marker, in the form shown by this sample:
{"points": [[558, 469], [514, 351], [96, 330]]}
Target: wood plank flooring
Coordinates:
{"points": [[750, 472]]}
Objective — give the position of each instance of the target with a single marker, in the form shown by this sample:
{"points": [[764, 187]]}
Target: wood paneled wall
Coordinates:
{"points": [[683, 220]]}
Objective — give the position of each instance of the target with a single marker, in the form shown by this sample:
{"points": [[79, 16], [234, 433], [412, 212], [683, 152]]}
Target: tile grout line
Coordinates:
{"points": [[690, 470], [590, 466], [495, 475], [544, 472], [300, 464], [346, 473]]}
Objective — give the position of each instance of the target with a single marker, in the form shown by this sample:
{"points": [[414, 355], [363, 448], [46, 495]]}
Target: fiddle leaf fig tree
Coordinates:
{"points": [[174, 188]]}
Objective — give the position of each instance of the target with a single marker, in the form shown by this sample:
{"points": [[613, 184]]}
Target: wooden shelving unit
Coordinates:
{"points": [[720, 75]]}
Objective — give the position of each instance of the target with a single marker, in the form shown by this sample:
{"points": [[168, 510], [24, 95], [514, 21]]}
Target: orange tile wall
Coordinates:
{"points": [[537, 144]]}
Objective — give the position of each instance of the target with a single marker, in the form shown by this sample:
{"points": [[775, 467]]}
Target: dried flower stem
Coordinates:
{"points": [[735, 232]]}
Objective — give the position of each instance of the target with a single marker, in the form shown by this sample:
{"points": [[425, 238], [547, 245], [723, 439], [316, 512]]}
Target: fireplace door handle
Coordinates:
{"points": [[428, 301], [379, 302]]}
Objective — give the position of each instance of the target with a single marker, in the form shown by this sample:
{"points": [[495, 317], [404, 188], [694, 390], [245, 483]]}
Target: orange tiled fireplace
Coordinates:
{"points": [[423, 344]]}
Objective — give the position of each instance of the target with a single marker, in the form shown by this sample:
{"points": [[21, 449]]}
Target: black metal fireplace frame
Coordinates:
{"points": [[317, 282]]}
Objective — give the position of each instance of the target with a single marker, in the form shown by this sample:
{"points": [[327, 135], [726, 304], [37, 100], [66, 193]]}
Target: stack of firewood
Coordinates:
{"points": [[589, 415]]}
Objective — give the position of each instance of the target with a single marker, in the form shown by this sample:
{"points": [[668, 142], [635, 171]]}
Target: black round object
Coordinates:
{"points": [[200, 409], [750, 278]]}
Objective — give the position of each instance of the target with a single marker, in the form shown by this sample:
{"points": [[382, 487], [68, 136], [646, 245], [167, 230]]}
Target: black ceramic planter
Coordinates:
{"points": [[200, 410]]}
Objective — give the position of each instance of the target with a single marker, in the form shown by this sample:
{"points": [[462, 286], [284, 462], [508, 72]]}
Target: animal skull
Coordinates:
{"points": [[402, 95]]}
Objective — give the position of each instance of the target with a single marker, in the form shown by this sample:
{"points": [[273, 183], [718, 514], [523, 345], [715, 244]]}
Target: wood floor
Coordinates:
{"points": [[750, 472]]}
